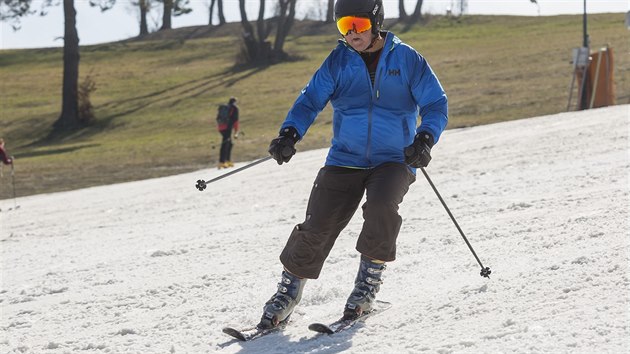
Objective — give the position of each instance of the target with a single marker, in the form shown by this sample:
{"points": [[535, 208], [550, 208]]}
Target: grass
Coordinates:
{"points": [[156, 99]]}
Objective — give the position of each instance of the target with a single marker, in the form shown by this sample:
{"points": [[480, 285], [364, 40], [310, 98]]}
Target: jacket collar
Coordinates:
{"points": [[391, 42]]}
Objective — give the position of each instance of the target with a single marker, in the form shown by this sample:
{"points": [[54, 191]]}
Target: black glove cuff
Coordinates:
{"points": [[426, 138], [290, 132]]}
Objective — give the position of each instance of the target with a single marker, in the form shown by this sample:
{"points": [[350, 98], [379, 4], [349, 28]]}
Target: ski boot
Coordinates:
{"points": [[366, 285], [278, 309]]}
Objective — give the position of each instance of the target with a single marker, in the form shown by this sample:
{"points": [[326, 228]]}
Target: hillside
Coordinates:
{"points": [[155, 97], [156, 266]]}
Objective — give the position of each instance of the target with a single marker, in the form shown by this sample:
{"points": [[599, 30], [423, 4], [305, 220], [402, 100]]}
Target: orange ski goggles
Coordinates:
{"points": [[353, 23]]}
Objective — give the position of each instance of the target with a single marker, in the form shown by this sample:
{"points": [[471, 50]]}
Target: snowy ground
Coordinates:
{"points": [[156, 266]]}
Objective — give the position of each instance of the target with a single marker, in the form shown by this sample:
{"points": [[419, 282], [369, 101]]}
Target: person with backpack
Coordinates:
{"points": [[4, 156], [7, 160], [378, 87], [227, 120]]}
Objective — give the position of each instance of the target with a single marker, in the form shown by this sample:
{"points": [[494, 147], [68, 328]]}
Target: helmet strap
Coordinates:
{"points": [[375, 37]]}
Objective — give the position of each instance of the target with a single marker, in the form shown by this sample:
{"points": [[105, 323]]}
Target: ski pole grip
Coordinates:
{"points": [[287, 151]]}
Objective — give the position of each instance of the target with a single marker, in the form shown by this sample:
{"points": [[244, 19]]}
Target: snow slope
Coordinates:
{"points": [[156, 266]]}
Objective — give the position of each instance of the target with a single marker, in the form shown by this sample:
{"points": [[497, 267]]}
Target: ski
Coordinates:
{"points": [[343, 324], [247, 334], [252, 333]]}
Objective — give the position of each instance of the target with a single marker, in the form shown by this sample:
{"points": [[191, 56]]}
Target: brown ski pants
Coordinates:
{"points": [[336, 194]]}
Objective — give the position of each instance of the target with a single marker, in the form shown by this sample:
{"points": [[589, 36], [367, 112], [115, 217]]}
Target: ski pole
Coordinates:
{"points": [[485, 271], [13, 183], [201, 184]]}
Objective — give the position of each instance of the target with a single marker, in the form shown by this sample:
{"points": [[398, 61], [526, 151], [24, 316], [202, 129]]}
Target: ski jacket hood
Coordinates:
{"points": [[372, 124]]}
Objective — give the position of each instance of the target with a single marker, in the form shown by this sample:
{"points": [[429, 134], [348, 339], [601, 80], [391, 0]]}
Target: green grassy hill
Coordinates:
{"points": [[156, 98]]}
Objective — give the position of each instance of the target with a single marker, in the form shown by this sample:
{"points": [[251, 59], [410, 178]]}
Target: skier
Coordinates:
{"points": [[377, 86], [225, 126]]}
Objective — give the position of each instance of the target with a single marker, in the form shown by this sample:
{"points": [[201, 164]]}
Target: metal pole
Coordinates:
{"points": [[584, 96], [485, 271], [575, 67], [201, 184], [13, 183], [584, 26]]}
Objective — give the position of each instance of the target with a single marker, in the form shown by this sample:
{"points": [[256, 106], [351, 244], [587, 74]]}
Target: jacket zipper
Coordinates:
{"points": [[375, 96], [369, 132]]}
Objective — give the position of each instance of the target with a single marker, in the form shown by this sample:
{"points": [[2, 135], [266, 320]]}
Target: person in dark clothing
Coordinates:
{"points": [[378, 87], [4, 156], [226, 128]]}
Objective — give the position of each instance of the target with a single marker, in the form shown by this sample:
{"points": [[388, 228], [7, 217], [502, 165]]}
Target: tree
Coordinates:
{"points": [[257, 50], [173, 8], [219, 12], [14, 10], [286, 17], [417, 12], [145, 6], [166, 14], [220, 9], [248, 36], [402, 14], [415, 16], [69, 117], [330, 15], [263, 28], [211, 10]]}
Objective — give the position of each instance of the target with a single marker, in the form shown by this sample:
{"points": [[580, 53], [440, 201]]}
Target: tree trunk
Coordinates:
{"points": [[166, 16], [144, 7], [251, 44], [264, 29], [285, 22], [330, 13], [260, 23], [221, 16], [402, 14], [258, 50], [417, 12], [211, 12], [69, 117]]}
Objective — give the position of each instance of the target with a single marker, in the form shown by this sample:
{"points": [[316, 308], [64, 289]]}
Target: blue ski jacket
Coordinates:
{"points": [[372, 124]]}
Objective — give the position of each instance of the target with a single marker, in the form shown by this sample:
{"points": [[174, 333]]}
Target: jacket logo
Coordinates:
{"points": [[394, 72]]}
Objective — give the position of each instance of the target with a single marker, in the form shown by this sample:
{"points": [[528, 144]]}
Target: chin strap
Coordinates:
{"points": [[374, 39]]}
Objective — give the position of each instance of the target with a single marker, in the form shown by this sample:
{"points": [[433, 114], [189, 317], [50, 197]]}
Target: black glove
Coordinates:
{"points": [[418, 154], [282, 148]]}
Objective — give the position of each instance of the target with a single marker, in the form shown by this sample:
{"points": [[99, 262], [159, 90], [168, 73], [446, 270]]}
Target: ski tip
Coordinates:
{"points": [[381, 305], [320, 328], [234, 333]]}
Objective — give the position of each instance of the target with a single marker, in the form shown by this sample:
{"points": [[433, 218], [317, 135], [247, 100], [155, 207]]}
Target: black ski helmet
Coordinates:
{"points": [[372, 9]]}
